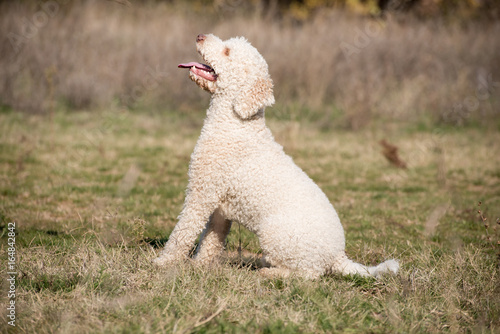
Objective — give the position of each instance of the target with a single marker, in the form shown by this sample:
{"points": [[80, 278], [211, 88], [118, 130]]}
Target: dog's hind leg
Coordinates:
{"points": [[213, 238]]}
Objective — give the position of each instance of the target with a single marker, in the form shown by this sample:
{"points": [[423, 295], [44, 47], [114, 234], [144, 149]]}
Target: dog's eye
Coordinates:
{"points": [[227, 51]]}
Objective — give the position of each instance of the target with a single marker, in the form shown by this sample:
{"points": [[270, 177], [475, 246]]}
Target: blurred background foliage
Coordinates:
{"points": [[301, 10], [333, 62]]}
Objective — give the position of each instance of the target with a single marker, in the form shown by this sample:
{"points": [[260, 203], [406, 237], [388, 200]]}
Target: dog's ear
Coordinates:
{"points": [[254, 97]]}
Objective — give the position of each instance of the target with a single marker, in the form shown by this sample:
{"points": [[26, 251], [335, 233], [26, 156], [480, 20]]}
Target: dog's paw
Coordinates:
{"points": [[275, 272], [164, 260]]}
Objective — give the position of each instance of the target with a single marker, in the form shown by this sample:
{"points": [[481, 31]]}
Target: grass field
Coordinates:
{"points": [[94, 195]]}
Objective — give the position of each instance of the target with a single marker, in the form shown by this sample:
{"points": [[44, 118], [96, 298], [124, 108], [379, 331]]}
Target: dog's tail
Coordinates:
{"points": [[349, 267]]}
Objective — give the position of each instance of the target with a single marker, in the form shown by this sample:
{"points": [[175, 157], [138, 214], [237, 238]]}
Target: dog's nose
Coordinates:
{"points": [[200, 38]]}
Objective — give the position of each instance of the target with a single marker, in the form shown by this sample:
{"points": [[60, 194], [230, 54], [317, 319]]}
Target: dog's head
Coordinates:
{"points": [[235, 70]]}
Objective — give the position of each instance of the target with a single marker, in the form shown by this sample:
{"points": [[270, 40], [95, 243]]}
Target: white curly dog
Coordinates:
{"points": [[238, 172]]}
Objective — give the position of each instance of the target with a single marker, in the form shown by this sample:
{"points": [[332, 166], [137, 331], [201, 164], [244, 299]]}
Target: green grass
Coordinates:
{"points": [[95, 194]]}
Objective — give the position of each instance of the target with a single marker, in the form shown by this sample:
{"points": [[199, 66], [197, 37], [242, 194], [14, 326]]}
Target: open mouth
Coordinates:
{"points": [[201, 70]]}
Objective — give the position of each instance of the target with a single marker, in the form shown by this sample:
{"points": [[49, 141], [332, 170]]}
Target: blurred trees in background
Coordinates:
{"points": [[301, 10], [422, 8], [332, 61]]}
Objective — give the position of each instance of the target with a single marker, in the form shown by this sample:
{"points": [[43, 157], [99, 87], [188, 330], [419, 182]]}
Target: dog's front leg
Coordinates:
{"points": [[198, 207]]}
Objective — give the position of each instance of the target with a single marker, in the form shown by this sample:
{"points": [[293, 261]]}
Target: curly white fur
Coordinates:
{"points": [[239, 173]]}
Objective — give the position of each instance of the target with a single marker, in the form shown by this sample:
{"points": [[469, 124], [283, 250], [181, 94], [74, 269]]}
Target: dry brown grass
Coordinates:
{"points": [[96, 54], [84, 266], [88, 214], [92, 193]]}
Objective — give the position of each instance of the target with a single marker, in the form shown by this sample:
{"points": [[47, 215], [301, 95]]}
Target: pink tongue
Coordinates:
{"points": [[195, 64], [201, 70]]}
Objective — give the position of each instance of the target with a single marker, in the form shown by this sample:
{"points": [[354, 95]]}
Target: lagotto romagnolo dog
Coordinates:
{"points": [[239, 173]]}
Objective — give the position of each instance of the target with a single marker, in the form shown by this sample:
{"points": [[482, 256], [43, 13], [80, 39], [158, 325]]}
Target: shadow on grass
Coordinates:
{"points": [[156, 242], [235, 259], [250, 262]]}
